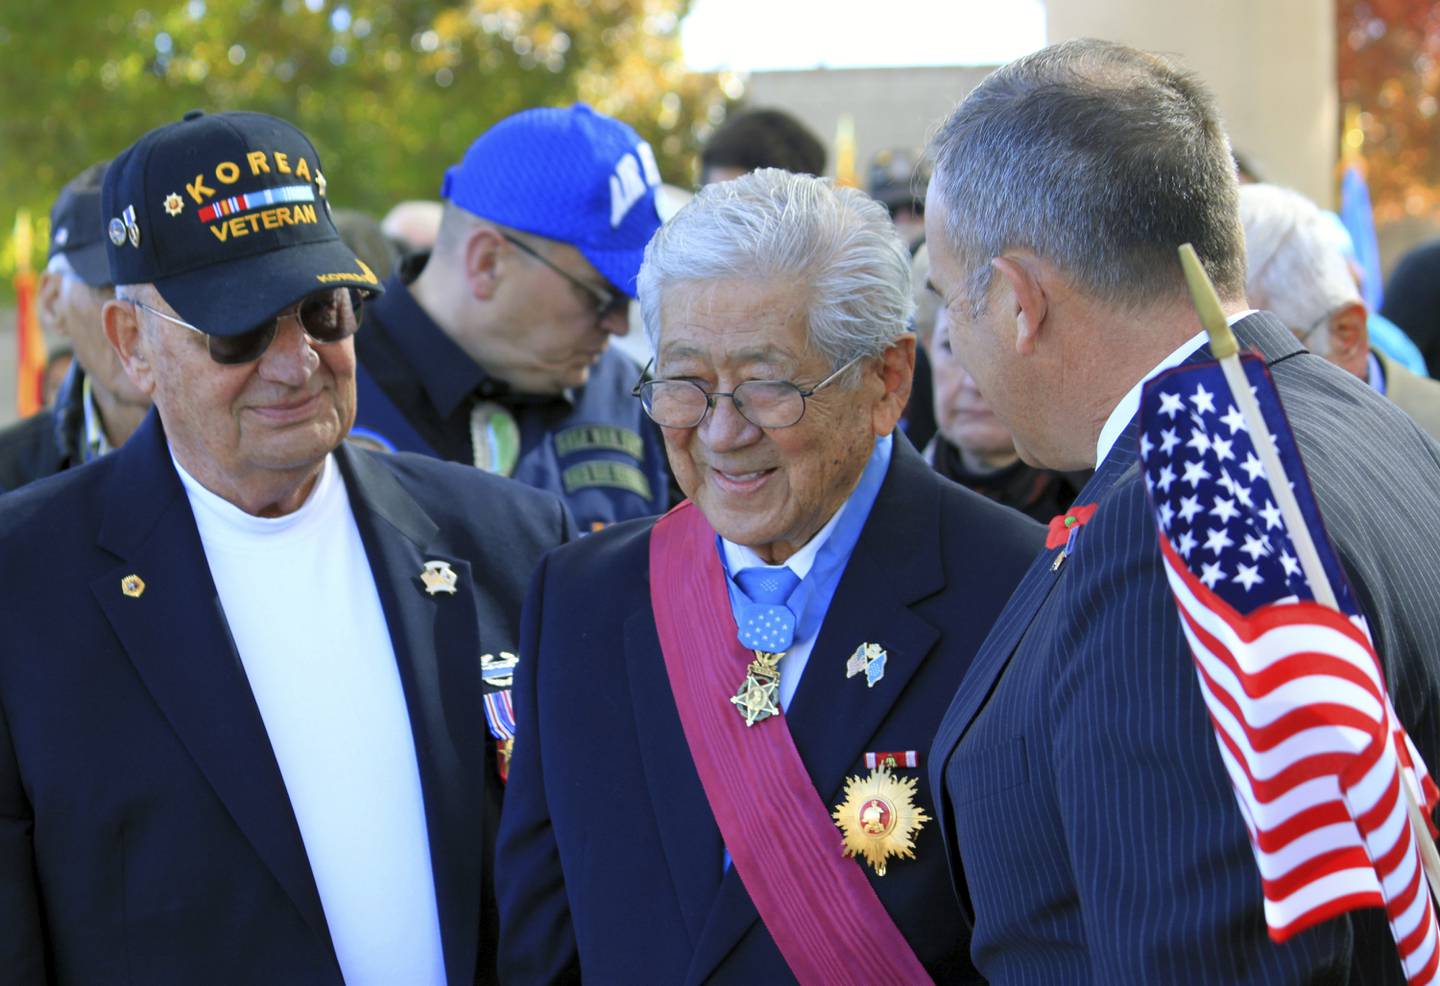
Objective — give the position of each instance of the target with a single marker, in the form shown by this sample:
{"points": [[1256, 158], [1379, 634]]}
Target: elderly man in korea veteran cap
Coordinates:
{"points": [[714, 705], [242, 736]]}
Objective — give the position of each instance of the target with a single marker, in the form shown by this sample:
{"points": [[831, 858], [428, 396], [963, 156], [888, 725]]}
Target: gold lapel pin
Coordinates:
{"points": [[133, 586], [438, 577]]}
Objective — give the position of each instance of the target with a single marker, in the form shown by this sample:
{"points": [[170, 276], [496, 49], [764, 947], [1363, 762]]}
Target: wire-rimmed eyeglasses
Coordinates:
{"points": [[763, 403], [606, 301]]}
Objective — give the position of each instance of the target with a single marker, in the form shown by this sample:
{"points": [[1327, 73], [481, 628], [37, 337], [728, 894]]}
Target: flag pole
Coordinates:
{"points": [[1226, 350]]}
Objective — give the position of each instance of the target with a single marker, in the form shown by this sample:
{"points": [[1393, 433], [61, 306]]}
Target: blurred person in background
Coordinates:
{"points": [[975, 449], [760, 138], [412, 225], [493, 350], [57, 368], [897, 180], [364, 235], [1412, 300], [1296, 268], [96, 406]]}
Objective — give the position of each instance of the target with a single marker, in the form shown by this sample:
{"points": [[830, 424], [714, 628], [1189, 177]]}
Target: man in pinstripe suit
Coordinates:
{"points": [[1090, 823]]}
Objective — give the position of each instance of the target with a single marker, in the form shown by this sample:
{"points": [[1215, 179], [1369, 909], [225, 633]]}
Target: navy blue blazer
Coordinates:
{"points": [[610, 863], [145, 831], [1086, 809]]}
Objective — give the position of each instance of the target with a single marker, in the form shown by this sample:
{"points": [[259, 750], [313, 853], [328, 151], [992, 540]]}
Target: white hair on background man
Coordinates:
{"points": [[1296, 264], [775, 225]]}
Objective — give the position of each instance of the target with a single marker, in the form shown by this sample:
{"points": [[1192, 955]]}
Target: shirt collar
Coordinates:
{"points": [[448, 374], [1130, 403], [96, 444], [446, 371], [1376, 372]]}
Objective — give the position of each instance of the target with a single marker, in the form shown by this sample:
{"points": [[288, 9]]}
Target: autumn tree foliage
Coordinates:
{"points": [[391, 91], [1389, 70]]}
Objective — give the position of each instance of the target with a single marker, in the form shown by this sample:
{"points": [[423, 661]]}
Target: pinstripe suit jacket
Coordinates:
{"points": [[1088, 818]]}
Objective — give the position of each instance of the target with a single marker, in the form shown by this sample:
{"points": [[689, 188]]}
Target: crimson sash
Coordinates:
{"points": [[817, 904]]}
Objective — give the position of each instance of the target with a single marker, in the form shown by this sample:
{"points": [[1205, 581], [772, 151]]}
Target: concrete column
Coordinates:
{"points": [[1271, 65]]}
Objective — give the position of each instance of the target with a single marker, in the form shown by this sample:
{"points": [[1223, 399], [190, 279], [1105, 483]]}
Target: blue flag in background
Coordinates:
{"points": [[1359, 219]]}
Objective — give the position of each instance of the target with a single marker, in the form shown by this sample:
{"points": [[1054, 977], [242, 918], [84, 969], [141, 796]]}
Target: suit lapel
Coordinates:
{"points": [[437, 646], [895, 563], [175, 634]]}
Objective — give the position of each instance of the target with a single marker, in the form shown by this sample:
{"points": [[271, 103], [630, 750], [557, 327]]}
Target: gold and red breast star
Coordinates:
{"points": [[174, 204], [879, 818]]}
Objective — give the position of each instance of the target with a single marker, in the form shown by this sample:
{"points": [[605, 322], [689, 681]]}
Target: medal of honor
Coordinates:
{"points": [[755, 698], [879, 818]]}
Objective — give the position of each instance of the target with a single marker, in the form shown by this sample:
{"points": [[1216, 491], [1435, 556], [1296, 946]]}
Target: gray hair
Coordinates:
{"points": [[1297, 266], [772, 224], [1100, 159]]}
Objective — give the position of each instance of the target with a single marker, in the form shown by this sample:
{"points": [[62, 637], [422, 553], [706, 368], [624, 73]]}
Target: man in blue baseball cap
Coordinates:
{"points": [[240, 737], [492, 349]]}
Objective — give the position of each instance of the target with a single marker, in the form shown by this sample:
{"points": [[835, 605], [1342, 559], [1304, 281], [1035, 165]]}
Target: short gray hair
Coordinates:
{"points": [[1100, 159], [772, 224], [1297, 266]]}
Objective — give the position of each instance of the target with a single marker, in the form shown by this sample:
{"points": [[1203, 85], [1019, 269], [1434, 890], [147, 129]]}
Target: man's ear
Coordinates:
{"points": [[1350, 338], [47, 295], [482, 262], [1027, 297], [122, 328], [897, 373]]}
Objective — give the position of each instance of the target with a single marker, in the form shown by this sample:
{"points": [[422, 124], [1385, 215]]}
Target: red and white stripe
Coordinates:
{"points": [[900, 758], [1314, 751]]}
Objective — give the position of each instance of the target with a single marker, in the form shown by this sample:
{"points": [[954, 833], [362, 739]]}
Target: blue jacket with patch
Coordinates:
{"points": [[594, 447]]}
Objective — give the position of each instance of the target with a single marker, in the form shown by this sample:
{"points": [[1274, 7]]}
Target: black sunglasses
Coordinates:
{"points": [[326, 316]]}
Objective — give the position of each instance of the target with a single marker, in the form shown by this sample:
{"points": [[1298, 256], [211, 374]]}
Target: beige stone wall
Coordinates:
{"points": [[1271, 64], [891, 107]]}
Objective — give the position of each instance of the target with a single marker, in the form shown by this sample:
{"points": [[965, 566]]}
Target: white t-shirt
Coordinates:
{"points": [[302, 607]]}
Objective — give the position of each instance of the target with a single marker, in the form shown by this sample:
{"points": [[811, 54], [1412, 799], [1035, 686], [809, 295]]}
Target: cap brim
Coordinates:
{"points": [[234, 296], [90, 263], [620, 267]]}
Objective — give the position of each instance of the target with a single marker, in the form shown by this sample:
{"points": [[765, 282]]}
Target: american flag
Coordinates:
{"points": [[1295, 690]]}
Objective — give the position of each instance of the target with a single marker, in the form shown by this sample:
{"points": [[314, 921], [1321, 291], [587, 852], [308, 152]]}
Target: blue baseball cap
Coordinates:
{"points": [[226, 215], [571, 175], [76, 230]]}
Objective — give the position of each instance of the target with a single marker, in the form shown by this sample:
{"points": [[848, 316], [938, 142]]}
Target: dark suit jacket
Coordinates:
{"points": [[1085, 803], [610, 862], [145, 832]]}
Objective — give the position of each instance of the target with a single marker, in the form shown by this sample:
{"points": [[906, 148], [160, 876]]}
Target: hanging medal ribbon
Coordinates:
{"points": [[494, 438]]}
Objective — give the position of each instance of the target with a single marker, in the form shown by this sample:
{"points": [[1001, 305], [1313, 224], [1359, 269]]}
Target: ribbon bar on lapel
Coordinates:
{"points": [[817, 904]]}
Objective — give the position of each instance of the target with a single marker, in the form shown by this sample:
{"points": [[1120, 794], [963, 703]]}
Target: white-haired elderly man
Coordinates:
{"points": [[1297, 269], [713, 705]]}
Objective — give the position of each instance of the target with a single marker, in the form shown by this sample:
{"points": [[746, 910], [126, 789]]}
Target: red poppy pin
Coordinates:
{"points": [[1063, 529]]}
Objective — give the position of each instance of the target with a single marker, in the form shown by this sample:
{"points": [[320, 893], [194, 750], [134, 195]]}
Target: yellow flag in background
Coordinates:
{"points": [[30, 367]]}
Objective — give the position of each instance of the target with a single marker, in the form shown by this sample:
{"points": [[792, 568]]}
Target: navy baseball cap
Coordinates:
{"points": [[76, 230], [226, 215], [571, 175]]}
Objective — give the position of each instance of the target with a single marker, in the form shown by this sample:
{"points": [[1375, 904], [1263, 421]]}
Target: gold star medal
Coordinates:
{"points": [[879, 818], [755, 698]]}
